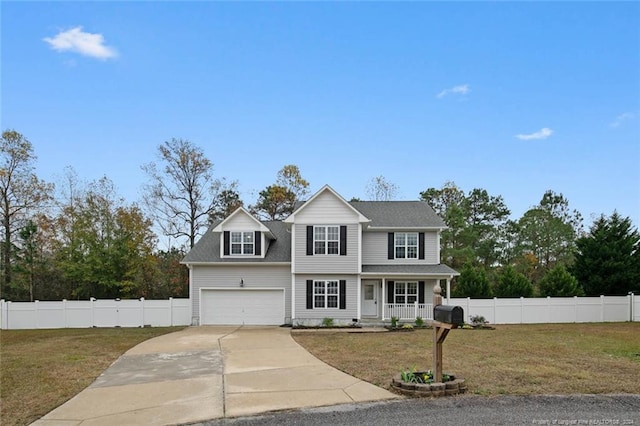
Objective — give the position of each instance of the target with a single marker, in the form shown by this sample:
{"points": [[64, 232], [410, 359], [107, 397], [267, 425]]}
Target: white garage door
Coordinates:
{"points": [[244, 306]]}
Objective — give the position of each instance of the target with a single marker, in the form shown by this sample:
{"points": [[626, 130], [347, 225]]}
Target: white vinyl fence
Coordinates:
{"points": [[540, 310], [95, 313]]}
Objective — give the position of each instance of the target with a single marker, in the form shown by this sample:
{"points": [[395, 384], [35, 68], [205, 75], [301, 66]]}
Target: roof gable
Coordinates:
{"points": [[324, 194], [242, 219]]}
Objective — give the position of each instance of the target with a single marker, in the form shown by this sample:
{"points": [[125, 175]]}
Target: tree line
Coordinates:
{"points": [[546, 252], [77, 239]]}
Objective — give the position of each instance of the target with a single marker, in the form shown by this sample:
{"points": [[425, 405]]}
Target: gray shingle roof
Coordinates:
{"points": [[207, 249], [439, 269], [399, 214]]}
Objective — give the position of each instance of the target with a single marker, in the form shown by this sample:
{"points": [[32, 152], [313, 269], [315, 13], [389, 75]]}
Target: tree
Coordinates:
{"points": [[511, 283], [472, 282], [474, 224], [278, 201], [226, 199], [289, 177], [380, 189], [180, 193], [275, 202], [21, 195], [607, 260], [106, 247], [485, 216], [548, 232], [558, 282]]}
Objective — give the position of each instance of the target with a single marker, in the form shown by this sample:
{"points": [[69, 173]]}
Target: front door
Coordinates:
{"points": [[370, 298]]}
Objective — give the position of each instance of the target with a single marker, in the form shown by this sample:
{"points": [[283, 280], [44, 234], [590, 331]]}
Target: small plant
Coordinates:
{"points": [[394, 322], [327, 322], [413, 376], [407, 327], [419, 322], [478, 320]]}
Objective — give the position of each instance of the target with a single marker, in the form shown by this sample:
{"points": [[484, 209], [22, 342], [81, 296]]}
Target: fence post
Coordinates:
{"points": [[5, 317], [495, 302], [631, 302], [93, 311], [521, 310], [64, 312], [171, 311], [142, 312], [575, 309], [35, 307], [602, 308], [415, 309]]}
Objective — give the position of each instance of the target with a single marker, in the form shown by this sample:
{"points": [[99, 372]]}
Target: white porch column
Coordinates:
{"points": [[384, 297], [449, 291]]}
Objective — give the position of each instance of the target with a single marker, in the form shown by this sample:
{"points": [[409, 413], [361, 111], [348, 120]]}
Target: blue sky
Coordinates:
{"points": [[515, 98]]}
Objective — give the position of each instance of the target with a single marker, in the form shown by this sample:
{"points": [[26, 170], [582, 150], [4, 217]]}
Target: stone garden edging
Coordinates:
{"points": [[455, 386]]}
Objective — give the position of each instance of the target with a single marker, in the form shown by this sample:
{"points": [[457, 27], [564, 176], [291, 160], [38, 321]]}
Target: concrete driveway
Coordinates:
{"points": [[204, 373]]}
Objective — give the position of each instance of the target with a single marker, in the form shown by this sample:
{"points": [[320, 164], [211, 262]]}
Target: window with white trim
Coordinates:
{"points": [[406, 245], [242, 243], [405, 292], [325, 294], [326, 240]]}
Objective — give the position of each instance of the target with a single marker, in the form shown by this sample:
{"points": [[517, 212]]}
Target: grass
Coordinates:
{"points": [[513, 359], [41, 369]]}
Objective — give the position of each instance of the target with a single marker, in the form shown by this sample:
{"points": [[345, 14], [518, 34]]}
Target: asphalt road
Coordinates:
{"points": [[465, 410]]}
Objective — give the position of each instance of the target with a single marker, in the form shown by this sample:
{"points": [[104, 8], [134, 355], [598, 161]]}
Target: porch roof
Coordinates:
{"points": [[439, 269]]}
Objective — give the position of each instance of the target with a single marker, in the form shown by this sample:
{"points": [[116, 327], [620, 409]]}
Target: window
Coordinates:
{"points": [[326, 240], [325, 294], [242, 243], [405, 292], [406, 245]]}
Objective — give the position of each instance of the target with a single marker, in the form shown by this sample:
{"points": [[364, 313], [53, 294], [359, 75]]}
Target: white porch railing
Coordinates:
{"points": [[409, 311]]}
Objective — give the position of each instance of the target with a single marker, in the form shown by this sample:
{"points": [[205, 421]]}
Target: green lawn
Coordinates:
{"points": [[41, 369]]}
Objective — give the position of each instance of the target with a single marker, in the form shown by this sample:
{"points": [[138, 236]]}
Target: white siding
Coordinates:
{"points": [[346, 315], [326, 263], [241, 222], [326, 209], [264, 276], [375, 246]]}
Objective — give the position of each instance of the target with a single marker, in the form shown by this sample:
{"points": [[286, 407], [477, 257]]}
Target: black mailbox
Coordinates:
{"points": [[448, 314]]}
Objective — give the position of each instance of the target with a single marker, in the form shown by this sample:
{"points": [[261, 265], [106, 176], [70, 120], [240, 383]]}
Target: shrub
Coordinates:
{"points": [[394, 322], [477, 320], [558, 282], [512, 284], [327, 322], [472, 282], [419, 322]]}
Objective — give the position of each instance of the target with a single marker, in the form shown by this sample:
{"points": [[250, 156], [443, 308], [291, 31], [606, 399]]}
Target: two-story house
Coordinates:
{"points": [[348, 261]]}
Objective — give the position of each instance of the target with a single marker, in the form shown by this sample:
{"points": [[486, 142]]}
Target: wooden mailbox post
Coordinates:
{"points": [[445, 318]]}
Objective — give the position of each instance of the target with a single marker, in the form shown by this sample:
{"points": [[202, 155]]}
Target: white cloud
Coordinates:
{"points": [[623, 117], [457, 90], [543, 133], [78, 41]]}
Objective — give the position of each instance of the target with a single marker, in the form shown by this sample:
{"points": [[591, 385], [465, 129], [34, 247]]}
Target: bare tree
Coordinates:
{"points": [[181, 189], [380, 189], [21, 193]]}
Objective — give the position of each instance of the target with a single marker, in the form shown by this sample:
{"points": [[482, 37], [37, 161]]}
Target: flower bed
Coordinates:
{"points": [[420, 384]]}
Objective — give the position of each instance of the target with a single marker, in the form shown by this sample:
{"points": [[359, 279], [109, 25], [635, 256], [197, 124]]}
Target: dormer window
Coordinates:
{"points": [[242, 243]]}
